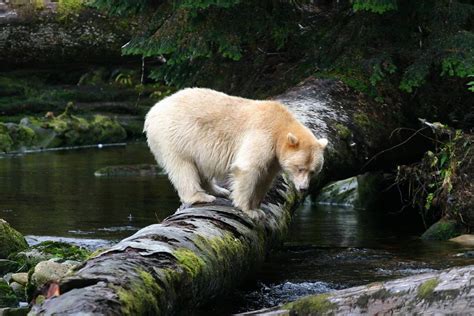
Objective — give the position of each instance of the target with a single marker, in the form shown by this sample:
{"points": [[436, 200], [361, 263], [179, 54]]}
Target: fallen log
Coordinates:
{"points": [[203, 251], [446, 292]]}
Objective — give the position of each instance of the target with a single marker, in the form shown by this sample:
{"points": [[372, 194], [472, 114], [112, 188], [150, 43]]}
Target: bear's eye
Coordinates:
{"points": [[301, 169]]}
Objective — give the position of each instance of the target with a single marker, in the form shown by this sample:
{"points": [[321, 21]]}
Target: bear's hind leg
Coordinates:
{"points": [[186, 180]]}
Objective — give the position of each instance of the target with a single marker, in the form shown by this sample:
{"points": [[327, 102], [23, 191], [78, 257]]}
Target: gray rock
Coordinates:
{"points": [[7, 277], [47, 271], [18, 289], [361, 191], [21, 278]]}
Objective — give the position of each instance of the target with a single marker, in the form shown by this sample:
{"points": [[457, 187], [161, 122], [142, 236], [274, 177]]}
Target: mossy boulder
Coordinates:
{"points": [[362, 191], [6, 142], [7, 295], [71, 130], [10, 240], [106, 130], [443, 229], [22, 136]]}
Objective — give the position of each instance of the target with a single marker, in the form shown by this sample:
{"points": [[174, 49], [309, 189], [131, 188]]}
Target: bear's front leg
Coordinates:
{"points": [[250, 167], [243, 188], [185, 178]]}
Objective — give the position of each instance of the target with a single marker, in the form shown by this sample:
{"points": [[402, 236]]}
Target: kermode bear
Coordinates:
{"points": [[199, 136]]}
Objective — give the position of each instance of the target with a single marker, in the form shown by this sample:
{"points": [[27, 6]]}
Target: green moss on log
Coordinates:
{"points": [[311, 305], [427, 288], [189, 261], [142, 298]]}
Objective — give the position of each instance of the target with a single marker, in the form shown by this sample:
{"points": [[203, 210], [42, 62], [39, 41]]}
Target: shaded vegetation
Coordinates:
{"points": [[441, 186], [391, 50], [46, 250]]}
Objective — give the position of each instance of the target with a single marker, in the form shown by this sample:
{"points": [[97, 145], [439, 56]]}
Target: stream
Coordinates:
{"points": [[55, 196]]}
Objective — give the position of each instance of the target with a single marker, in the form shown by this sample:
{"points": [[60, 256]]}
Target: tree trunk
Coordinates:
{"points": [[205, 250], [437, 293]]}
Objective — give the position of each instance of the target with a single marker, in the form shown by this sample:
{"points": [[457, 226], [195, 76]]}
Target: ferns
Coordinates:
{"points": [[399, 40], [376, 6]]}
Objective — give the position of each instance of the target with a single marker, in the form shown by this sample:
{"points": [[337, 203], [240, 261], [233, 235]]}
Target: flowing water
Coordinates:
{"points": [[55, 195]]}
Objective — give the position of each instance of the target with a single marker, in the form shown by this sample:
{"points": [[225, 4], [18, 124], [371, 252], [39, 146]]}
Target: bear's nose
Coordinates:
{"points": [[303, 189]]}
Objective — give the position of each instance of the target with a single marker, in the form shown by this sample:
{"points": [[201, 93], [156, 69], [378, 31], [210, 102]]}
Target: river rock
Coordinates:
{"points": [[18, 289], [7, 296], [21, 278], [361, 191], [47, 271], [7, 266], [443, 229], [10, 240], [465, 240]]}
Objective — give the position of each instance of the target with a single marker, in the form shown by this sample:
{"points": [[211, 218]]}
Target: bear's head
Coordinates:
{"points": [[302, 157]]}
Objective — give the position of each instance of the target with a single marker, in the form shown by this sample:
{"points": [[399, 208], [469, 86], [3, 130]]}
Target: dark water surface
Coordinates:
{"points": [[330, 248], [56, 195]]}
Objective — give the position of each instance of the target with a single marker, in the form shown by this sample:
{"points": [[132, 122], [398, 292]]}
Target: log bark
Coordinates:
{"points": [[205, 250], [446, 292]]}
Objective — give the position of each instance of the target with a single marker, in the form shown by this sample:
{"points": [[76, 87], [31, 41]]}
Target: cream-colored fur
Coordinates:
{"points": [[199, 136]]}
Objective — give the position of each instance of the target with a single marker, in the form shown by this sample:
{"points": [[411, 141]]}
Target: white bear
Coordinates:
{"points": [[200, 135]]}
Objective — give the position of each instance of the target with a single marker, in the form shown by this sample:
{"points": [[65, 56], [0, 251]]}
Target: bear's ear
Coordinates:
{"points": [[292, 140], [323, 142]]}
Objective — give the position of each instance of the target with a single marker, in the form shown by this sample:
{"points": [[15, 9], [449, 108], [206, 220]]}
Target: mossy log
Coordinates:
{"points": [[446, 292], [203, 251]]}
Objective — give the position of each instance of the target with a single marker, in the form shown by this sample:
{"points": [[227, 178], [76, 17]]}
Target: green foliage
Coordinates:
{"points": [[68, 7], [375, 46], [432, 180], [189, 33], [471, 84], [414, 76], [376, 6]]}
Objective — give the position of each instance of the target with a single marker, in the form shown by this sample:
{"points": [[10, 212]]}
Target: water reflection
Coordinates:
{"points": [[57, 193]]}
